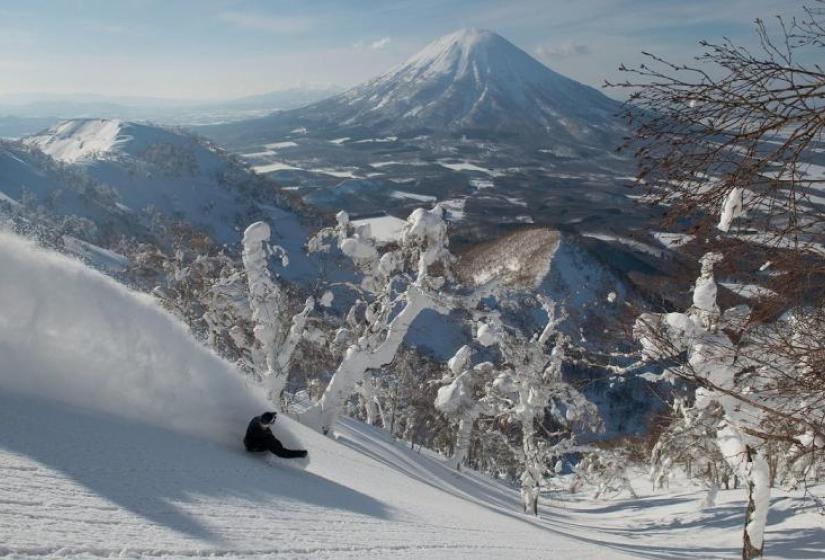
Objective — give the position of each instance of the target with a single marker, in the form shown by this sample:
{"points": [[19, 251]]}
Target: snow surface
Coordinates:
{"points": [[114, 428], [412, 196], [7, 199], [468, 166], [75, 140], [275, 166], [340, 173], [98, 257], [670, 240], [261, 154], [383, 229], [454, 209], [637, 245], [281, 145], [377, 140], [749, 291], [482, 183]]}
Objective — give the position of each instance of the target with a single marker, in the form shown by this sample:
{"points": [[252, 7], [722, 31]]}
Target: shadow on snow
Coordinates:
{"points": [[148, 470]]}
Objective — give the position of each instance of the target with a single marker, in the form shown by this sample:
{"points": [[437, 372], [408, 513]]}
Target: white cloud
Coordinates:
{"points": [[258, 22], [377, 45], [380, 43], [564, 50]]}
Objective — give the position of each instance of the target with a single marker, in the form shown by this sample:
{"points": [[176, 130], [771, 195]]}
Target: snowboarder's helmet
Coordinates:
{"points": [[268, 417]]}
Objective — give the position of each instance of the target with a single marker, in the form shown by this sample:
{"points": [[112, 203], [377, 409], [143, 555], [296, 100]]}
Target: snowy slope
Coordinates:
{"points": [[75, 140], [595, 298], [71, 334], [119, 437], [92, 486], [542, 260]]}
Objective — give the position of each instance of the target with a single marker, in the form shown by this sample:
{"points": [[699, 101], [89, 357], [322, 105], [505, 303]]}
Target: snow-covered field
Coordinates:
{"points": [[274, 166], [120, 437], [468, 166]]}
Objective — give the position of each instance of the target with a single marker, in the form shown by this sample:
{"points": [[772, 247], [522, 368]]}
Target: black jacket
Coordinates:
{"points": [[260, 438]]}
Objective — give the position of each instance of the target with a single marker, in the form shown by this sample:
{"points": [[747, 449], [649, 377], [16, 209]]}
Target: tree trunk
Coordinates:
{"points": [[749, 550], [530, 500], [462, 441], [758, 483]]}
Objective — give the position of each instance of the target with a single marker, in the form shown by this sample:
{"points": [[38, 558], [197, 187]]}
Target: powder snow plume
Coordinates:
{"points": [[71, 334]]}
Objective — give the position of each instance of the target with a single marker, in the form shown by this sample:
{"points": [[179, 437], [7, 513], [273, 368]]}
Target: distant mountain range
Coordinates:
{"points": [[21, 115]]}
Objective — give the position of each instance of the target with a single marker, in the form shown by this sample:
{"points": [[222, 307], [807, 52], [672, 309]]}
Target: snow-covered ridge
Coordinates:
{"points": [[134, 167], [76, 140]]}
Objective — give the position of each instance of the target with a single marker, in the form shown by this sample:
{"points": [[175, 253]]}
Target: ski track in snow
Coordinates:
{"points": [[113, 425]]}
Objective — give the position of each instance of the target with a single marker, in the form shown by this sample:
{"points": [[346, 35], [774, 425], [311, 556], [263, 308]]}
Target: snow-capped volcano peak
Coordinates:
{"points": [[474, 80], [80, 139], [459, 47]]}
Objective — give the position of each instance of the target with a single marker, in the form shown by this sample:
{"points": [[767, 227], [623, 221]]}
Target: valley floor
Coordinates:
{"points": [[82, 484]]}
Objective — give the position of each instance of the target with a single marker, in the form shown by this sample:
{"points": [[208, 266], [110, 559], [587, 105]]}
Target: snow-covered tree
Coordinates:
{"points": [[606, 470], [714, 362], [461, 399], [397, 286], [527, 391], [689, 441], [732, 138], [276, 332], [531, 387]]}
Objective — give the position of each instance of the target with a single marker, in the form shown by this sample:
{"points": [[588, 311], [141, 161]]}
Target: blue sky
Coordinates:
{"points": [[212, 49]]}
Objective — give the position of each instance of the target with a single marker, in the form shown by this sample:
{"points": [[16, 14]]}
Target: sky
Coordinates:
{"points": [[221, 49]]}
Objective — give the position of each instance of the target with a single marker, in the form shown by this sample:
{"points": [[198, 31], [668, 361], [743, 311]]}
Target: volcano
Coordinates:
{"points": [[472, 82]]}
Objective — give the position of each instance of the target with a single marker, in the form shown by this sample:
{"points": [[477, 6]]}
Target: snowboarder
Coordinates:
{"points": [[259, 438]]}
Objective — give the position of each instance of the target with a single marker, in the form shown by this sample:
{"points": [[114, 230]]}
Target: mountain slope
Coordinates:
{"points": [[471, 82], [120, 175], [120, 437], [100, 395]]}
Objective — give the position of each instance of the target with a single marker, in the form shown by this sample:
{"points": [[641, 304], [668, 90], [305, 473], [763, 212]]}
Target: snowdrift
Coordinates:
{"points": [[71, 334]]}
